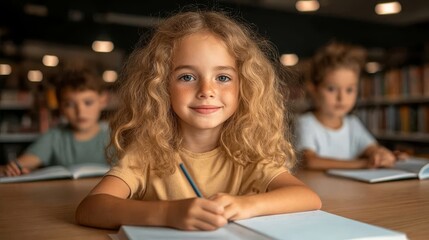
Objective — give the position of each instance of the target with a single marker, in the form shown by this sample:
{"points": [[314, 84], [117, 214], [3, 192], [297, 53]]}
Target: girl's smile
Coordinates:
{"points": [[206, 109], [204, 84]]}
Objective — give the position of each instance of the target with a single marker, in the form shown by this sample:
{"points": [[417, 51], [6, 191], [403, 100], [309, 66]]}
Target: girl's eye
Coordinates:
{"points": [[187, 78], [89, 102], [330, 88], [224, 78], [350, 90]]}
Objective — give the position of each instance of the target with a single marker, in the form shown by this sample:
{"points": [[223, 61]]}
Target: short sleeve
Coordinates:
{"points": [[132, 174], [257, 177], [305, 134], [363, 137], [43, 147]]}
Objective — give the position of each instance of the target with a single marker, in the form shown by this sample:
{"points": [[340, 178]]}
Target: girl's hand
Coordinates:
{"points": [[235, 207], [195, 214], [13, 169], [381, 157], [401, 155]]}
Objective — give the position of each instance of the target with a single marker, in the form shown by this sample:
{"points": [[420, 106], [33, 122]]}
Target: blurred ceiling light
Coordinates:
{"points": [[35, 76], [102, 46], [307, 5], [388, 8], [5, 69], [36, 10], [289, 59], [50, 60], [110, 76], [372, 67]]}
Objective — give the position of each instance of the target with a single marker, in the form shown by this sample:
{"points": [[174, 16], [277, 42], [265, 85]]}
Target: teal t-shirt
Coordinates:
{"points": [[59, 147]]}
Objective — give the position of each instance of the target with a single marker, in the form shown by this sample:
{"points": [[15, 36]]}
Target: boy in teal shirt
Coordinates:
{"points": [[82, 97]]}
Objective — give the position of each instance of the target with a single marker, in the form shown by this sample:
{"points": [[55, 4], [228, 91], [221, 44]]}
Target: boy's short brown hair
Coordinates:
{"points": [[79, 80]]}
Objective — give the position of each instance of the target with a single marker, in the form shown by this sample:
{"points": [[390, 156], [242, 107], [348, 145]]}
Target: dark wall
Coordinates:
{"points": [[289, 31]]}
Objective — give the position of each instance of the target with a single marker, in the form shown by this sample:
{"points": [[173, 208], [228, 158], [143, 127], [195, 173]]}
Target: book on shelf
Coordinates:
{"points": [[407, 82], [83, 170], [303, 225], [404, 119], [426, 79], [404, 169], [16, 99]]}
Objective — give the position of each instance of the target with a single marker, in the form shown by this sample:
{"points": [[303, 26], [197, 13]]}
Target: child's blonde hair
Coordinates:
{"points": [[336, 55], [145, 125]]}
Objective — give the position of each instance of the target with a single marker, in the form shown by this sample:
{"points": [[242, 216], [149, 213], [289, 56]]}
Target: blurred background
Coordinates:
{"points": [[29, 30], [40, 38]]}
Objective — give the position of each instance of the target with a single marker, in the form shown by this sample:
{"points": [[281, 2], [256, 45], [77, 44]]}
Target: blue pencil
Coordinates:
{"points": [[194, 186], [18, 165], [188, 176]]}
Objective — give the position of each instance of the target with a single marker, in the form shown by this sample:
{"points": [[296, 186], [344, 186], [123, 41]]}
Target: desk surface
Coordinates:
{"points": [[398, 205], [45, 210]]}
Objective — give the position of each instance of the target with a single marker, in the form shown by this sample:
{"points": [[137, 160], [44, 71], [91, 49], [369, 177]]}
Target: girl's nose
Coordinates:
{"points": [[340, 95], [206, 89]]}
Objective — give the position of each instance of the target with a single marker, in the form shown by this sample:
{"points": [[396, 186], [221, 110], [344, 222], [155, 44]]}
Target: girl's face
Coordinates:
{"points": [[204, 84], [336, 95], [82, 108]]}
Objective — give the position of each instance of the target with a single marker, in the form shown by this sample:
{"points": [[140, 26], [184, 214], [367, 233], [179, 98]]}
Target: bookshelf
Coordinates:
{"points": [[394, 105], [18, 122]]}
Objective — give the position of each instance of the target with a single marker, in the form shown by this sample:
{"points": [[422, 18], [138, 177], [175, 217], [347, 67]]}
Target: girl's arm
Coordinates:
{"points": [[314, 161], [107, 206], [285, 194]]}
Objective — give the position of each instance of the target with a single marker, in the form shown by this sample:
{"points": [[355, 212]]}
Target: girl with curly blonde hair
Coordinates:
{"points": [[203, 93], [330, 136]]}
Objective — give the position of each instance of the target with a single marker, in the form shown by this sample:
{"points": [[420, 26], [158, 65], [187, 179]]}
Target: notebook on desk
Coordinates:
{"points": [[82, 170], [405, 169], [304, 225]]}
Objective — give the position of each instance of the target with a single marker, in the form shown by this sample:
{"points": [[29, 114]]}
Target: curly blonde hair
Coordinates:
{"points": [[145, 125]]}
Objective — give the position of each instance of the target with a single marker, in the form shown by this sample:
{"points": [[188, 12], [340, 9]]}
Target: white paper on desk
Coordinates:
{"points": [[318, 225], [231, 232], [311, 225], [114, 236]]}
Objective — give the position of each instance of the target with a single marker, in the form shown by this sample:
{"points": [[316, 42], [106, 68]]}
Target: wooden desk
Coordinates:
{"points": [[399, 205], [45, 210]]}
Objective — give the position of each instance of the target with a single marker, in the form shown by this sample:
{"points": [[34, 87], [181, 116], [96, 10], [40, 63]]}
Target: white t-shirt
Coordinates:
{"points": [[345, 143]]}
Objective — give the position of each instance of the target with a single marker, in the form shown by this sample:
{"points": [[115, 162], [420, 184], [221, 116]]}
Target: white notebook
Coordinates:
{"points": [[318, 225], [411, 168], [57, 172]]}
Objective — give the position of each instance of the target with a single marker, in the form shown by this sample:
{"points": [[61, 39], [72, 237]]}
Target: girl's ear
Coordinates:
{"points": [[310, 88]]}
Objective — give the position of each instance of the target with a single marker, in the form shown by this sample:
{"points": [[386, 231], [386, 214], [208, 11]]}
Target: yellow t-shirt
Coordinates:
{"points": [[211, 172]]}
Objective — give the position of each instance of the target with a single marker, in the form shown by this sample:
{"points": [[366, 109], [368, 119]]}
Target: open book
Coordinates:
{"points": [[57, 172], [411, 168], [304, 225]]}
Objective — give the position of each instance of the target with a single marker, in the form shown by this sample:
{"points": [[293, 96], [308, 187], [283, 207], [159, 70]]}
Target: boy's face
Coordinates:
{"points": [[204, 84], [82, 108], [336, 95]]}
